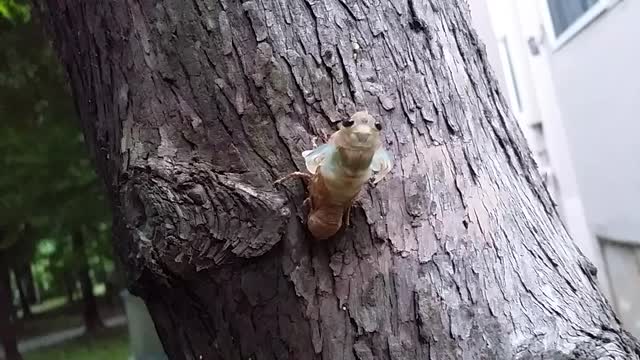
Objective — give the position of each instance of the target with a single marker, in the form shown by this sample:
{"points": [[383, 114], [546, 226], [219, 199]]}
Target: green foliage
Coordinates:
{"points": [[111, 344], [14, 10], [47, 182]]}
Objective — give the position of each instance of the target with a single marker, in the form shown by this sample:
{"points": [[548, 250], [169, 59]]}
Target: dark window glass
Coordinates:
{"points": [[566, 12]]}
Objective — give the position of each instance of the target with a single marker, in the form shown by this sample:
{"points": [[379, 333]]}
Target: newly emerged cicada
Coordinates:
{"points": [[338, 170]]}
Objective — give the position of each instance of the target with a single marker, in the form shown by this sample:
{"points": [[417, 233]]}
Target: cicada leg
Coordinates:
{"points": [[323, 136], [347, 216], [307, 203], [296, 174], [347, 211]]}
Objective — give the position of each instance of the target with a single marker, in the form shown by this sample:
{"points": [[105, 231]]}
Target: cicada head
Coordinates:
{"points": [[361, 130]]}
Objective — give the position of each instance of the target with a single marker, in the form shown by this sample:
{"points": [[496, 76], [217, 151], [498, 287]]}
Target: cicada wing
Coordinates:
{"points": [[314, 158], [381, 164]]}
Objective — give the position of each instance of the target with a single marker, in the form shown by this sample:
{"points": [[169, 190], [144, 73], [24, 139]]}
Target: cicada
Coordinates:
{"points": [[338, 170]]}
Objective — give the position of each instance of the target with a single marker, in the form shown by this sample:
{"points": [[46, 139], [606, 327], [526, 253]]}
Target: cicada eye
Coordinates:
{"points": [[347, 123], [378, 126]]}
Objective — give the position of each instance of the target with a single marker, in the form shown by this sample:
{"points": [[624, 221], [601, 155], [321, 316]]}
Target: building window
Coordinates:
{"points": [[566, 12], [566, 18]]}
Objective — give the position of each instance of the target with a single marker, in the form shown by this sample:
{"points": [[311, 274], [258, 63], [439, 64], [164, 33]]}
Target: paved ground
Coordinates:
{"points": [[61, 336]]}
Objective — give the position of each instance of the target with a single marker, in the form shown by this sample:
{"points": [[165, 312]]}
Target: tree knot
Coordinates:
{"points": [[185, 218]]}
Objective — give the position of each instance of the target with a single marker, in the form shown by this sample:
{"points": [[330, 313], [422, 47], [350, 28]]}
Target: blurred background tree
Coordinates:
{"points": [[54, 216]]}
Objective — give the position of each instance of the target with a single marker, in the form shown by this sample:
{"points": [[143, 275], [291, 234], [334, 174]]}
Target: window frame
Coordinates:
{"points": [[582, 22], [509, 70]]}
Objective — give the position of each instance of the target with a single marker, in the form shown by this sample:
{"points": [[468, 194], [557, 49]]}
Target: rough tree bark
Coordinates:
{"points": [[92, 320], [193, 108]]}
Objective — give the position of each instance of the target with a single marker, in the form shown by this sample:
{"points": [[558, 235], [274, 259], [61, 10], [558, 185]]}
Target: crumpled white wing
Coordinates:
{"points": [[381, 164], [314, 158]]}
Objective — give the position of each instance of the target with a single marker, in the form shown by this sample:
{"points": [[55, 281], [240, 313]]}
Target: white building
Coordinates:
{"points": [[569, 70]]}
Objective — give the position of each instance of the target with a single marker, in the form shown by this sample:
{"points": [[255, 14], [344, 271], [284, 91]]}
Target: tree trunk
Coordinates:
{"points": [[30, 285], [92, 319], [23, 288], [8, 334], [193, 108], [69, 285]]}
